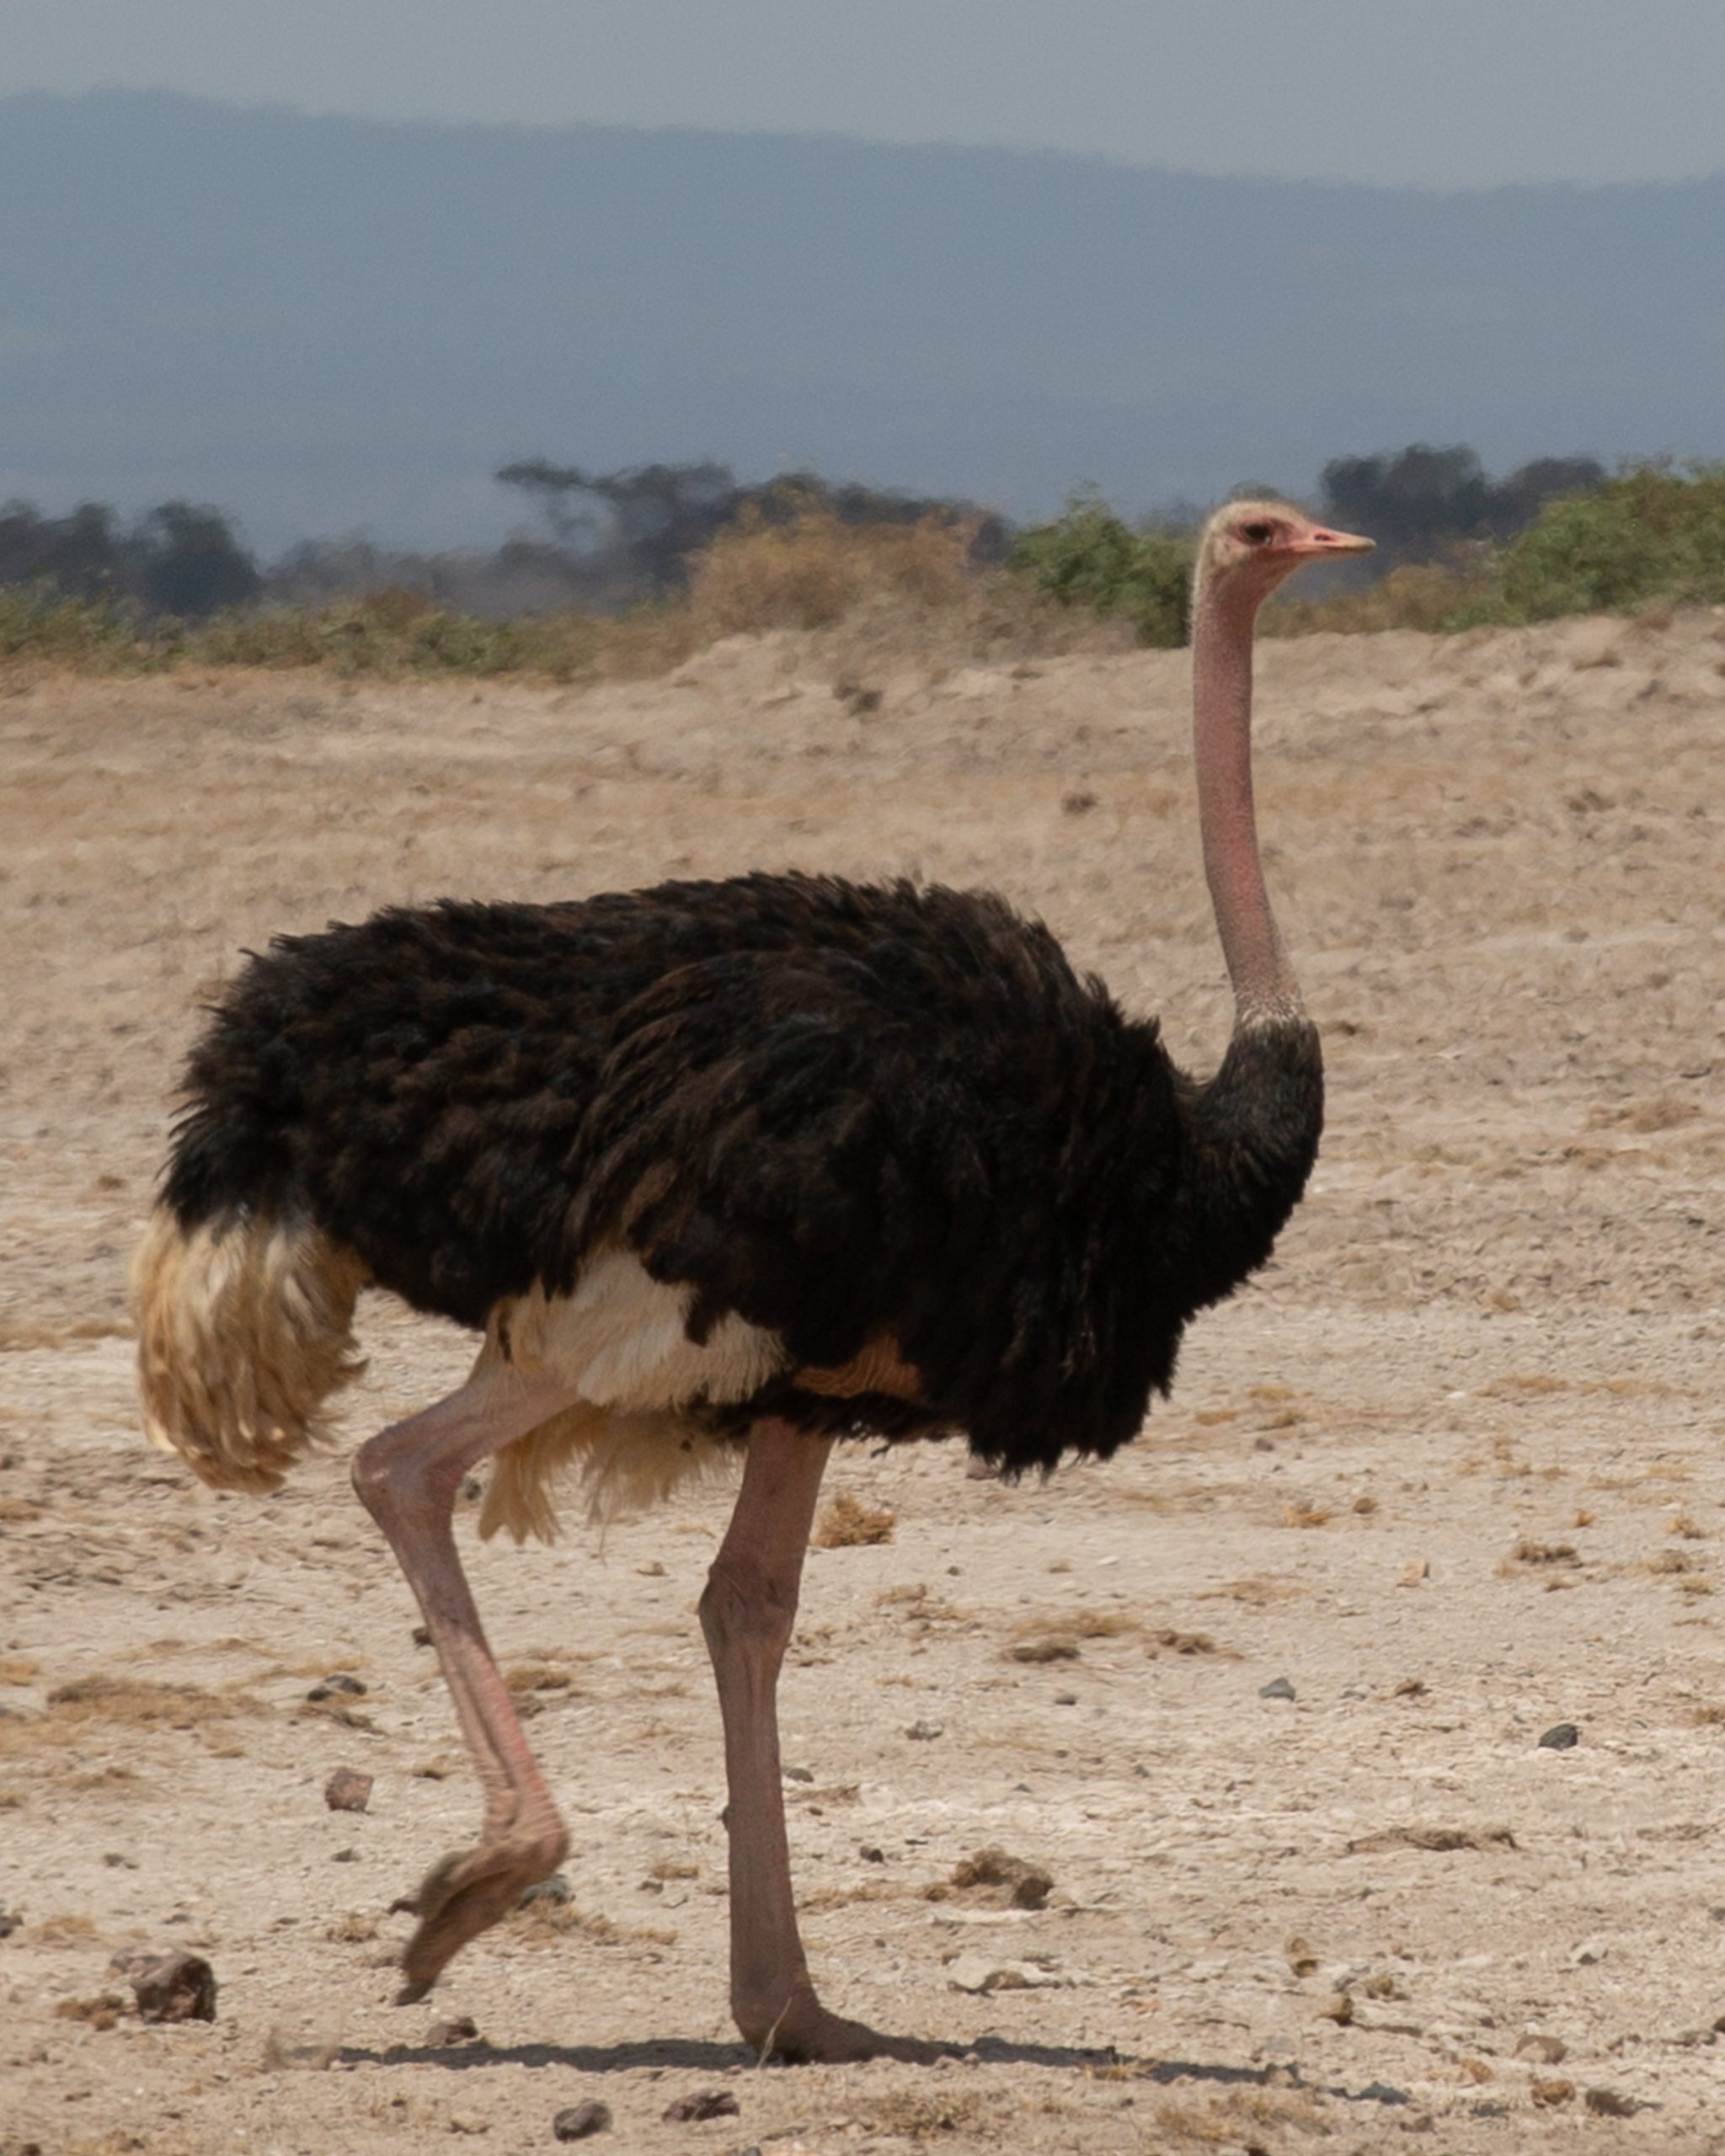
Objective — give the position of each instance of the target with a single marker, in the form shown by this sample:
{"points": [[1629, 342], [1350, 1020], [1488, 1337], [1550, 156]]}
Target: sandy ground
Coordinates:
{"points": [[1451, 1468]]}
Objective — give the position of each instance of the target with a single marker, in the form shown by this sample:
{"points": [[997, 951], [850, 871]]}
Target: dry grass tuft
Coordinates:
{"points": [[1054, 1635], [539, 1676], [1243, 2119], [1527, 1551], [1299, 1514], [813, 571], [134, 1702], [543, 1920], [848, 1524], [918, 2115]]}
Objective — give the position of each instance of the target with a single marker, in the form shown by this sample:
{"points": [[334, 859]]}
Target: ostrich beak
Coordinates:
{"points": [[1319, 542]]}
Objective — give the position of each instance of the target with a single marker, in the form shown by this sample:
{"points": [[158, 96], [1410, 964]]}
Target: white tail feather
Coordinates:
{"points": [[245, 1332]]}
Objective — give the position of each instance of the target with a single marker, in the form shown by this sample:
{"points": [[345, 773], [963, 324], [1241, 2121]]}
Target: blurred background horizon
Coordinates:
{"points": [[331, 269]]}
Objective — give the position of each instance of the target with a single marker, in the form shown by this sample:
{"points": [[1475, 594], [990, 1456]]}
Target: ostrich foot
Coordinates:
{"points": [[463, 1894], [805, 2034]]}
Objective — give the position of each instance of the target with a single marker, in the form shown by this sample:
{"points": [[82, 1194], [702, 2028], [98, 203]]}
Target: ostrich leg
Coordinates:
{"points": [[747, 1612], [407, 1477]]}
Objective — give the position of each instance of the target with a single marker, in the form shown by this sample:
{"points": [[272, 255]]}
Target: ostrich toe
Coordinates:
{"points": [[463, 1894]]}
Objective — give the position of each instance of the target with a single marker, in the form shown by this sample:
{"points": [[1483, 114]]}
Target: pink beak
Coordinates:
{"points": [[1318, 540]]}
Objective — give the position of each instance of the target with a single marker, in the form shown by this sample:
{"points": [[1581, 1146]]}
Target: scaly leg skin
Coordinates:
{"points": [[746, 1614], [408, 1478]]}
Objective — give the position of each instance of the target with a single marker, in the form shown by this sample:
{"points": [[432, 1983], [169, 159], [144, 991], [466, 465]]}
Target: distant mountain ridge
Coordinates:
{"points": [[322, 324]]}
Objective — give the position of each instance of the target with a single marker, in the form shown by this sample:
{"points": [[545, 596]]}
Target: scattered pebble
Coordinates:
{"points": [[581, 2119], [1414, 1572], [798, 1773], [339, 1685], [1549, 2050], [1551, 2092], [923, 1731], [347, 1790], [1279, 1688], [1561, 1737], [9, 1922], [870, 1854], [1066, 1699], [1301, 1959], [463, 2029], [703, 2103], [422, 1635], [556, 1889], [173, 1986], [1609, 2103], [1589, 1951], [1338, 2007]]}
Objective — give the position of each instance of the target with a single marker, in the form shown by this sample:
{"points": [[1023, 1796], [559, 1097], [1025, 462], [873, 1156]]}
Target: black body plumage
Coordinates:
{"points": [[848, 1113]]}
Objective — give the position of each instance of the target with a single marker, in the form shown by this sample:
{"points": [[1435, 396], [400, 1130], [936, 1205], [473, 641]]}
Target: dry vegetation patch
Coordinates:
{"points": [[848, 1524]]}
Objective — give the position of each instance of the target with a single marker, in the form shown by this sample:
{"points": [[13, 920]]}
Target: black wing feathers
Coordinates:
{"points": [[846, 1112]]}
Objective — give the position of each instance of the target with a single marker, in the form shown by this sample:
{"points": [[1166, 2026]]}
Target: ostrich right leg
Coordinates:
{"points": [[747, 1612], [408, 1478]]}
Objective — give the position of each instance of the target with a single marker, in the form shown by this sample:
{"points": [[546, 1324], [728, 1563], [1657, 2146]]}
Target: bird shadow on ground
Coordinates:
{"points": [[985, 2050]]}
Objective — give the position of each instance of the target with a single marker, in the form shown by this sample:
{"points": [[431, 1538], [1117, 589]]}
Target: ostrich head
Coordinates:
{"points": [[1251, 546]]}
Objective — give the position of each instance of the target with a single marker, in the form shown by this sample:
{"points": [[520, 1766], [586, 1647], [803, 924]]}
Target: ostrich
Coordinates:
{"points": [[743, 1166]]}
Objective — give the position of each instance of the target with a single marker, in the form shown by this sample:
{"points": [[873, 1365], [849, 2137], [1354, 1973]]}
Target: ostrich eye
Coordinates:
{"points": [[1255, 535]]}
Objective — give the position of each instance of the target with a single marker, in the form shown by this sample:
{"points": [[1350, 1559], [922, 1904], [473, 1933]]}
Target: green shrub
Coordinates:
{"points": [[1651, 534], [1088, 558]]}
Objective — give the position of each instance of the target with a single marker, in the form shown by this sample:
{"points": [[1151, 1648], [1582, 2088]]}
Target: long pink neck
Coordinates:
{"points": [[1265, 989]]}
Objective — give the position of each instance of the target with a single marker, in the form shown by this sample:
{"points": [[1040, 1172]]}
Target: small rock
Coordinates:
{"points": [[1414, 1572], [556, 1889], [1551, 2092], [870, 1854], [468, 2123], [703, 2103], [798, 1773], [1338, 2007], [1561, 1737], [1549, 2050], [1279, 1688], [1589, 1951], [924, 1731], [352, 1856], [174, 1987], [422, 1635], [1608, 2104], [346, 1790], [1301, 1959], [581, 2119], [9, 1922], [652, 1569], [339, 1684], [463, 2029], [1066, 1699], [1028, 1886]]}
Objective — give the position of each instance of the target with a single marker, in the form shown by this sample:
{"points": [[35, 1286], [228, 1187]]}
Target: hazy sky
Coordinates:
{"points": [[1441, 92]]}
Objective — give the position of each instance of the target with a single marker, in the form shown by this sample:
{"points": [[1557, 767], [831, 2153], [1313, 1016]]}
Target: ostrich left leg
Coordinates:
{"points": [[747, 1613], [409, 1477]]}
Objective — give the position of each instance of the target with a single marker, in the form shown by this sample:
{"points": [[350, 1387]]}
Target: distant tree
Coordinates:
{"points": [[189, 563], [82, 554], [636, 531], [176, 559], [1420, 502], [1089, 558], [1516, 501], [1414, 504]]}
